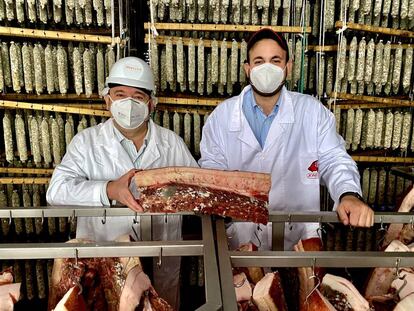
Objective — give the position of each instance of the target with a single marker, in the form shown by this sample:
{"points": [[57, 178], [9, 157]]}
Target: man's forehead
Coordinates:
{"points": [[128, 89], [265, 46]]}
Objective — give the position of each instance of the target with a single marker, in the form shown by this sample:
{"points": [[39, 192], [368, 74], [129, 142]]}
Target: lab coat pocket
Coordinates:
{"points": [[309, 173]]}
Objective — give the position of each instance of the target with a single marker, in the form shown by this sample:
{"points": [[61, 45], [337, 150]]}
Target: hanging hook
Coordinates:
{"points": [[76, 258], [43, 217], [313, 276], [290, 221], [165, 218], [238, 285], [397, 268], [397, 293], [321, 230], [159, 263], [135, 221], [382, 228], [10, 217], [103, 220]]}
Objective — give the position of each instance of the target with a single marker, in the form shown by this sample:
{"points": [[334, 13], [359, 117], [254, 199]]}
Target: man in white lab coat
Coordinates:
{"points": [[290, 135], [101, 160]]}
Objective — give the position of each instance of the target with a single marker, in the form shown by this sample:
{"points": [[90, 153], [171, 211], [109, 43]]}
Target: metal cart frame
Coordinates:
{"points": [[147, 248], [279, 258]]}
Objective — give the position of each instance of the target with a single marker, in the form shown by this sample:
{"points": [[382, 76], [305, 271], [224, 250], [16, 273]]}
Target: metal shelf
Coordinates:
{"points": [[227, 259]]}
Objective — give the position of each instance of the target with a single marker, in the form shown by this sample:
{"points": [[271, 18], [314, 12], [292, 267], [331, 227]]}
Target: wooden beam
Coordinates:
{"points": [[18, 170], [223, 27], [207, 42], [202, 101], [334, 48], [183, 110], [385, 102], [374, 29], [54, 107], [56, 35], [51, 97], [382, 159], [26, 180]]}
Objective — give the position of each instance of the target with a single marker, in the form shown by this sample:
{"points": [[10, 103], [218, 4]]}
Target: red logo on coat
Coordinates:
{"points": [[313, 171], [314, 166]]}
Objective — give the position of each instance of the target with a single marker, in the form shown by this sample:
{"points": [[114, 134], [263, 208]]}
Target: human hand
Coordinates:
{"points": [[354, 212], [119, 190]]}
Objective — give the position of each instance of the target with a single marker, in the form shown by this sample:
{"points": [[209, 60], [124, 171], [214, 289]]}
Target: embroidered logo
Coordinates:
{"points": [[313, 170]]}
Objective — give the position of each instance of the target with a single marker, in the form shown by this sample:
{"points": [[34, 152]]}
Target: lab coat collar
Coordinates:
{"points": [[284, 115], [107, 138]]}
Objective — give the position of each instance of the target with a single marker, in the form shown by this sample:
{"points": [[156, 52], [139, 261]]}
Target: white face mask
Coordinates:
{"points": [[129, 113], [266, 78]]}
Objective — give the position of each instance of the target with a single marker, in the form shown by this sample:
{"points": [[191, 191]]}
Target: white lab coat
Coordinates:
{"points": [[94, 157], [302, 132]]}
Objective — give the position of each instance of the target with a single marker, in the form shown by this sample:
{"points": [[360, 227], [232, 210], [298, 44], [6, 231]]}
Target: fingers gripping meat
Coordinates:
{"points": [[240, 195]]}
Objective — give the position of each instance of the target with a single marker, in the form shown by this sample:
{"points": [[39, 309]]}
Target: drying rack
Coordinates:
{"points": [[145, 248], [279, 258]]}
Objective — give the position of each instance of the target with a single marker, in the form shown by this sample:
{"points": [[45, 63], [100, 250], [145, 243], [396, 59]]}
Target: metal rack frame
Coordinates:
{"points": [[146, 248], [281, 258]]}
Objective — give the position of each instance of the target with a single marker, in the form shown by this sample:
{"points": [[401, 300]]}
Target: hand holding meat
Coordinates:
{"points": [[119, 190], [354, 212]]}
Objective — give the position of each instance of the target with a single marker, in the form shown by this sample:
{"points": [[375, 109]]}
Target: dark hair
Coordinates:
{"points": [[267, 33], [148, 92]]}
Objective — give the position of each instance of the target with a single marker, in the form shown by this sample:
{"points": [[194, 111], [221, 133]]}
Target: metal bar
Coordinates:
{"points": [[77, 211], [332, 217], [97, 211], [212, 288], [226, 276], [323, 259], [278, 236], [102, 249]]}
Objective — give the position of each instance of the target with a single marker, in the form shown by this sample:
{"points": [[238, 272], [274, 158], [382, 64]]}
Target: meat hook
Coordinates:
{"points": [[313, 276], [104, 217], [159, 263], [135, 221], [10, 217], [321, 230]]}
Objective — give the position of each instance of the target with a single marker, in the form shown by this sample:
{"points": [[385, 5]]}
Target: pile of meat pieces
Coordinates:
{"points": [[235, 194], [9, 291], [384, 290], [104, 284]]}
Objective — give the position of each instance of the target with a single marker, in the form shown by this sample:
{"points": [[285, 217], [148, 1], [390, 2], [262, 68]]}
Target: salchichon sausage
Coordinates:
{"points": [[241, 195]]}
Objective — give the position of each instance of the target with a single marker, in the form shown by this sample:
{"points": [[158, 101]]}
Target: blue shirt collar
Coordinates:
{"points": [[257, 107]]}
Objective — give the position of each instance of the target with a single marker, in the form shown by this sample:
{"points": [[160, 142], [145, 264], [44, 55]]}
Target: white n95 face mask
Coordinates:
{"points": [[129, 113], [266, 78]]}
